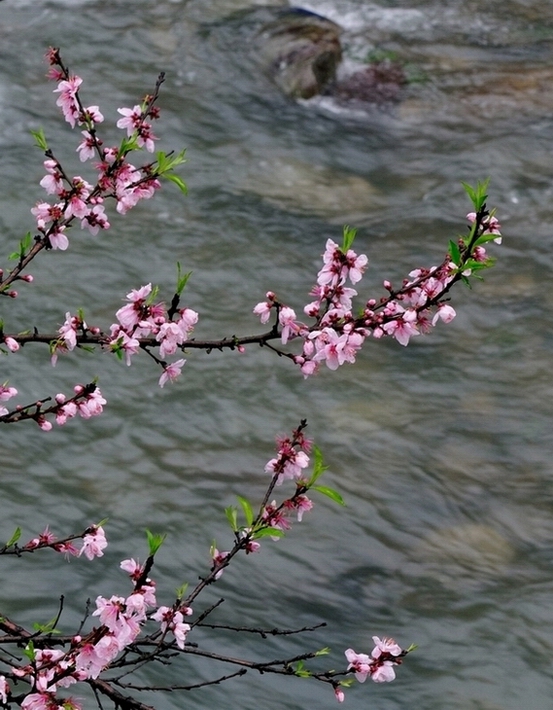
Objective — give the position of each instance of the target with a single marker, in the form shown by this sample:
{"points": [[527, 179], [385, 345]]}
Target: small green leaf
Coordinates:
{"points": [[232, 516], [14, 538], [330, 493], [179, 182], [182, 279], [412, 647], [323, 652], [155, 541], [40, 139], [29, 651], [318, 467], [267, 532], [181, 590], [454, 252], [348, 238], [247, 508], [300, 671], [47, 628], [128, 144]]}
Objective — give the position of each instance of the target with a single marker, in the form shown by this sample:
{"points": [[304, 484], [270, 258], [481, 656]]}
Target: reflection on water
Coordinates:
{"points": [[442, 449]]}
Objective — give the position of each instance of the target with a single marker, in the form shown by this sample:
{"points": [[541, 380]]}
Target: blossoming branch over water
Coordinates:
{"points": [[132, 630]]}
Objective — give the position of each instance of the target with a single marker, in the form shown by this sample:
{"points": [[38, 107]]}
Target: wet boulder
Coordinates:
{"points": [[300, 51]]}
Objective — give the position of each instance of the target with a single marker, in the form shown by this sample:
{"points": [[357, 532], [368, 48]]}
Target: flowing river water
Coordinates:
{"points": [[442, 450]]}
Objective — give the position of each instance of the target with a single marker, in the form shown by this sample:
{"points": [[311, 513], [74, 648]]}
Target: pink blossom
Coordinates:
{"points": [[357, 265], [95, 219], [67, 90], [67, 548], [87, 147], [171, 372], [131, 119], [7, 392], [68, 330], [57, 238], [44, 424], [263, 310], [52, 182], [4, 690], [93, 113], [94, 542], [445, 313], [132, 567], [218, 558], [402, 328], [11, 344], [383, 673], [385, 645], [360, 663], [45, 212], [301, 504], [38, 701], [339, 693]]}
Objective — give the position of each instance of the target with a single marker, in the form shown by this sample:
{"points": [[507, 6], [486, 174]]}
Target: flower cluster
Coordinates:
{"points": [[291, 458], [141, 318], [87, 402], [338, 334], [379, 666], [93, 545], [121, 621], [173, 621], [116, 177]]}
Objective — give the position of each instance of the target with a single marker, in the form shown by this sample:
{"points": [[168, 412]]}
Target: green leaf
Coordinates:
{"points": [[128, 144], [181, 590], [29, 651], [470, 192], [318, 467], [40, 139], [330, 493], [155, 541], [14, 538], [477, 194], [267, 532], [323, 652], [301, 671], [412, 647], [24, 246], [454, 252], [179, 182], [152, 295], [47, 628], [232, 516], [248, 511], [348, 238], [182, 279]]}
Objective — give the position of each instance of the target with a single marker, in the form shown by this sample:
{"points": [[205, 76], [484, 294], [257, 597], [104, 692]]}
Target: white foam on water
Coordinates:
{"points": [[354, 17]]}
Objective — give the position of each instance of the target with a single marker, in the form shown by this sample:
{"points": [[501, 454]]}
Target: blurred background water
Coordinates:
{"points": [[442, 450]]}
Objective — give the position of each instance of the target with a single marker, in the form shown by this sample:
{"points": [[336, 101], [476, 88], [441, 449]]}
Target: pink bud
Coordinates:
{"points": [[12, 294], [11, 344], [60, 398], [29, 278], [78, 389], [44, 424], [387, 285]]}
